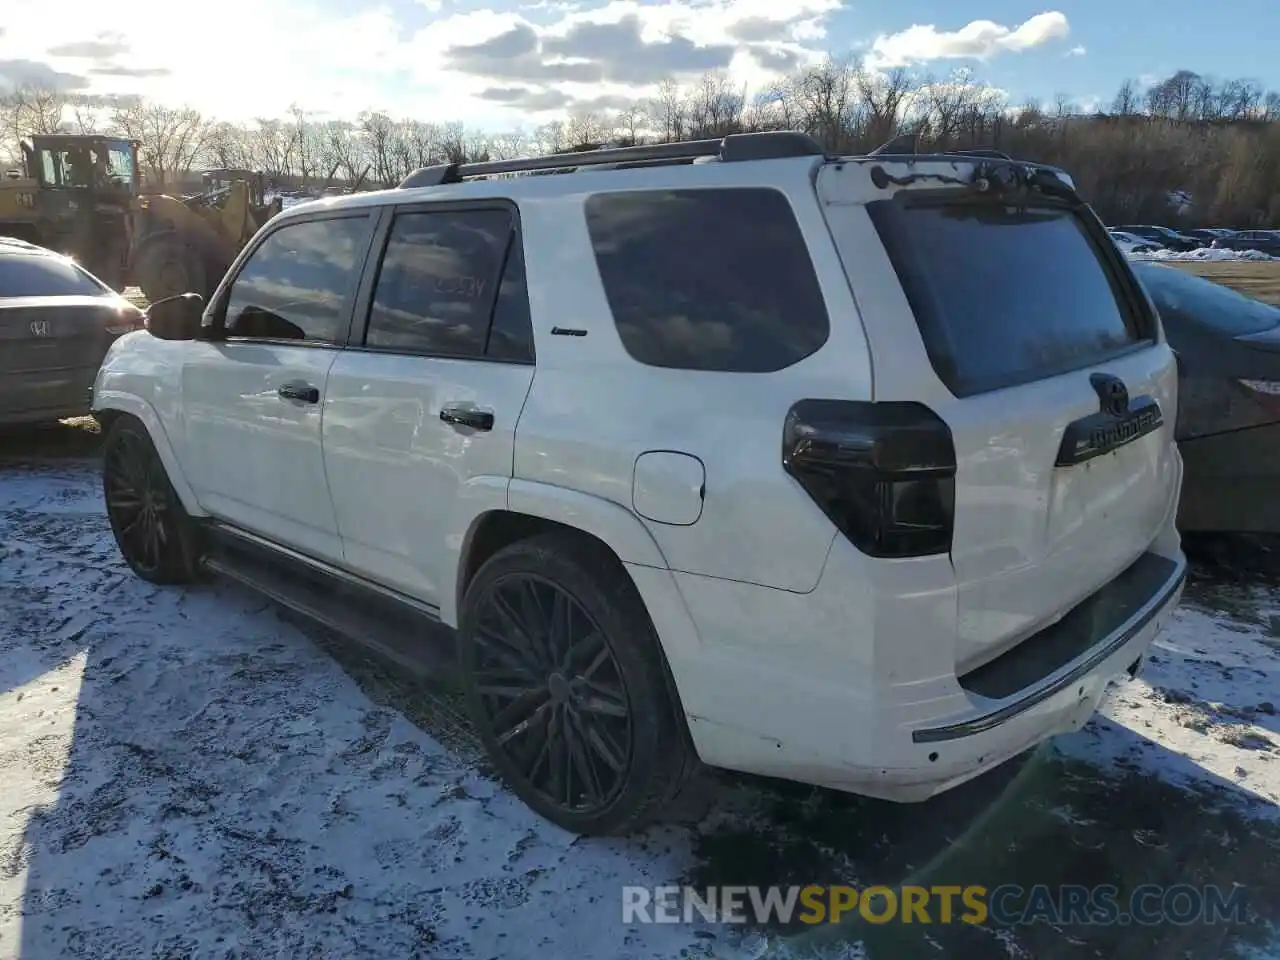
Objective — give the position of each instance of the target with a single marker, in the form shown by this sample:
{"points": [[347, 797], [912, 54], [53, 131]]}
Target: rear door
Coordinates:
{"points": [[421, 411], [1017, 325]]}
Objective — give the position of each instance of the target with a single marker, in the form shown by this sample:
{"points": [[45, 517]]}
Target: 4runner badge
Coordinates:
{"points": [[1117, 423]]}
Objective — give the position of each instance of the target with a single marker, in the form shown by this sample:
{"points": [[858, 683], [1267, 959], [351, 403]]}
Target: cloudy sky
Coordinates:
{"points": [[494, 63]]}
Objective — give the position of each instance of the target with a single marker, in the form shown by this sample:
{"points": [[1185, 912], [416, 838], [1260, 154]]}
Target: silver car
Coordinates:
{"points": [[56, 322]]}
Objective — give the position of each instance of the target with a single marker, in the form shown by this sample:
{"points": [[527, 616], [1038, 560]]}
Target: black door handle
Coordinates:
{"points": [[467, 417], [299, 391]]}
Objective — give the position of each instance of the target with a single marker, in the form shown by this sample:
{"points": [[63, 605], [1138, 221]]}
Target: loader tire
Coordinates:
{"points": [[166, 266]]}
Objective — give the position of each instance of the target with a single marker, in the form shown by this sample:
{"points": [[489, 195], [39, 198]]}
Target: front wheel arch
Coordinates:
{"points": [[109, 405]]}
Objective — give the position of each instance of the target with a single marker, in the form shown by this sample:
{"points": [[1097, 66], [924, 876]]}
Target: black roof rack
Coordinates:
{"points": [[733, 148]]}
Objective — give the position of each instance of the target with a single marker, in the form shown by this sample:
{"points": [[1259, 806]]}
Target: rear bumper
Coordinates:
{"points": [[853, 685], [1230, 482]]}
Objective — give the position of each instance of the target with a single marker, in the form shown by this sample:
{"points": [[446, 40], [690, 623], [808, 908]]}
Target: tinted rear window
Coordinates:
{"points": [[40, 276], [1004, 296], [1209, 304], [715, 279]]}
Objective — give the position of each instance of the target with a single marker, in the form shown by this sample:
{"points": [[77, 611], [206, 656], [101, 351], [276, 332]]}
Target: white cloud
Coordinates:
{"points": [[247, 59], [252, 59], [979, 40], [424, 58], [1076, 51]]}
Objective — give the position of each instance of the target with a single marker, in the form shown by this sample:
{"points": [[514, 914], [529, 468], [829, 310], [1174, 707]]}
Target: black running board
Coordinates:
{"points": [[403, 631]]}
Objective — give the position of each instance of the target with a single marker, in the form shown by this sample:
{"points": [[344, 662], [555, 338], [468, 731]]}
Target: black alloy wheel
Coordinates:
{"points": [[151, 528], [552, 693], [568, 687]]}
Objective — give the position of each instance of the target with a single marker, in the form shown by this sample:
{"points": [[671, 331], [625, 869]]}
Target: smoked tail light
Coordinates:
{"points": [[884, 473]]}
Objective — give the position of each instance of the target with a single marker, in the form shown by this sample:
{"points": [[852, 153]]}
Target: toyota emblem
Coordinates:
{"points": [[1113, 395]]}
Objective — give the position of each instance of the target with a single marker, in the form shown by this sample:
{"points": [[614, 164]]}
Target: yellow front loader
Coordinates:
{"points": [[185, 244]]}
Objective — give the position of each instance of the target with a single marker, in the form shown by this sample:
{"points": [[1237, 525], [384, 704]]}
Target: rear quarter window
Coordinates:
{"points": [[715, 279], [43, 276], [1006, 296]]}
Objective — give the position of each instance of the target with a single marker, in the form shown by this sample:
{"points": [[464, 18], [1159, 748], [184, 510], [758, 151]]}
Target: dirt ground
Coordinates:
{"points": [[1259, 279]]}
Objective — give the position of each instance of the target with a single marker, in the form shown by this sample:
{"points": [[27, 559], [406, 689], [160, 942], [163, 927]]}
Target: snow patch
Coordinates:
{"points": [[1205, 708], [1203, 254]]}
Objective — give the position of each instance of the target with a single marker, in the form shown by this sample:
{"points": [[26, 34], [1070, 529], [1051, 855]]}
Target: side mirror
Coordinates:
{"points": [[175, 318]]}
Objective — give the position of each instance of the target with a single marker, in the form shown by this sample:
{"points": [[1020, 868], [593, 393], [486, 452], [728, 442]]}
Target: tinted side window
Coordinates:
{"points": [[439, 281], [296, 285], [708, 279]]}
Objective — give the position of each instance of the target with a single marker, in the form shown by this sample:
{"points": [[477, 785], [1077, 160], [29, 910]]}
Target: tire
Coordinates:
{"points": [[166, 266], [633, 764], [152, 529]]}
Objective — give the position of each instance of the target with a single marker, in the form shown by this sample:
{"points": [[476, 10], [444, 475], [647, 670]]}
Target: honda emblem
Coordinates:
{"points": [[39, 328]]}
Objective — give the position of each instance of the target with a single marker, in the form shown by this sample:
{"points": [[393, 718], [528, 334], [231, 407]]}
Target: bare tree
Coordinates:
{"points": [[304, 144], [586, 129], [377, 130], [1190, 135], [886, 97], [170, 138], [31, 111], [1126, 102], [229, 146], [669, 113]]}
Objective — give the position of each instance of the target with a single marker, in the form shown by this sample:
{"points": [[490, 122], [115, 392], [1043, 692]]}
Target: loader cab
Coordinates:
{"points": [[221, 179], [84, 190], [87, 164]]}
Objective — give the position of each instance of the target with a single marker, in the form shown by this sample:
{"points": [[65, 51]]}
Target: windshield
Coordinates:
{"points": [[102, 165], [44, 276], [1205, 302]]}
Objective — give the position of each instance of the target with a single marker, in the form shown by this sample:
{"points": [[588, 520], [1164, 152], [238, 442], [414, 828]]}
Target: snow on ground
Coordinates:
{"points": [[1204, 253], [186, 773], [208, 781], [1208, 702]]}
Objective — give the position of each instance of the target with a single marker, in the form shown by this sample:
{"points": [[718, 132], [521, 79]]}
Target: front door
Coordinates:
{"points": [[253, 401], [420, 419]]}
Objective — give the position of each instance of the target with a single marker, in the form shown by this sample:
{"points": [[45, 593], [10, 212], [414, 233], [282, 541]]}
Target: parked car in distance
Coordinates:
{"points": [[1264, 241], [1228, 347], [1207, 235], [937, 567], [56, 323], [1165, 236], [1131, 245]]}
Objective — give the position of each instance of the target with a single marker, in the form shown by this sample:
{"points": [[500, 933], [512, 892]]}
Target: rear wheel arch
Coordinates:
{"points": [[495, 530], [591, 572]]}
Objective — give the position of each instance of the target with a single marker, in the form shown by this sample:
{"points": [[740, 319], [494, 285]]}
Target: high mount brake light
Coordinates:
{"points": [[884, 473]]}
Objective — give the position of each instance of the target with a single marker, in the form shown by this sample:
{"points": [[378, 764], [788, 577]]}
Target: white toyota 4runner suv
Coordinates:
{"points": [[858, 471]]}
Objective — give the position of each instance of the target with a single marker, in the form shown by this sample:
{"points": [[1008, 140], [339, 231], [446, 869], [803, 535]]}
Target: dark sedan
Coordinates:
{"points": [[1209, 234], [56, 323], [1228, 348], [1165, 236], [1264, 241]]}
